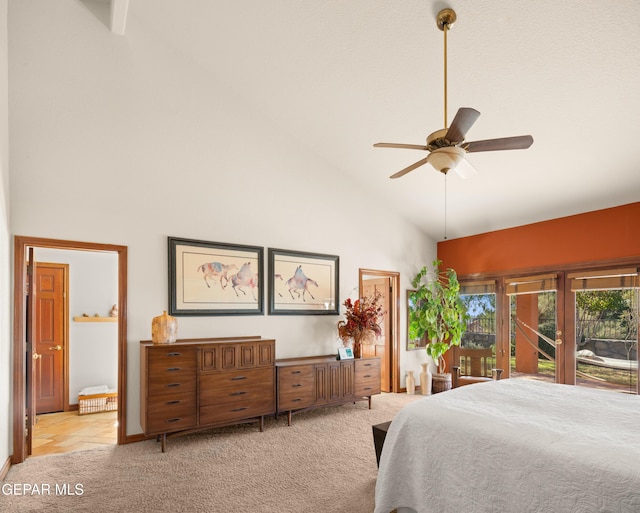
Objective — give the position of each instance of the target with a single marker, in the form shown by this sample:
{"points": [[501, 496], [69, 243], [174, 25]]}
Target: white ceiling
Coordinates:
{"points": [[340, 75]]}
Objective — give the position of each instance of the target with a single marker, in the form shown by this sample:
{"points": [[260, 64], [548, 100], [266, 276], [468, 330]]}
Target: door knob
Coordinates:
{"points": [[55, 348], [36, 356]]}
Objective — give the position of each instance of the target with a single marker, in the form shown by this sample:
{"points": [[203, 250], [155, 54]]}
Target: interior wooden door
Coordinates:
{"points": [[382, 345], [50, 340], [29, 292]]}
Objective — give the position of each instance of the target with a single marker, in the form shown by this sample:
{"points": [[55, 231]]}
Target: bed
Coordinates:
{"points": [[513, 446]]}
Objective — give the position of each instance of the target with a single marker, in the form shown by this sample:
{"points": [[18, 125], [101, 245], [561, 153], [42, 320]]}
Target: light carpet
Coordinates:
{"points": [[324, 462]]}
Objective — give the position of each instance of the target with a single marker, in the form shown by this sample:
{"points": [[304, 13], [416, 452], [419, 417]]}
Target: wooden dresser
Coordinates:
{"points": [[315, 381], [197, 384]]}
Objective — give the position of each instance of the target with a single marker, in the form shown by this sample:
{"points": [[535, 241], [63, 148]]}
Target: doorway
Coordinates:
{"points": [[24, 404], [387, 347]]}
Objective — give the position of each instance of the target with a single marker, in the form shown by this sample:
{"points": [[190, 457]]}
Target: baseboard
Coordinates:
{"points": [[5, 468], [140, 437]]}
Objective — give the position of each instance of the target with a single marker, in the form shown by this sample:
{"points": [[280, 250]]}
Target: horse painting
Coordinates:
{"points": [[216, 269], [245, 277], [300, 282]]}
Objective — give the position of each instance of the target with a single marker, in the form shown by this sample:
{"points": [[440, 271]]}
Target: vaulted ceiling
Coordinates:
{"points": [[341, 75]]}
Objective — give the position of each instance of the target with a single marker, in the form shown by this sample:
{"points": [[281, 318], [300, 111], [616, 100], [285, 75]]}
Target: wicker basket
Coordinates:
{"points": [[97, 403], [440, 383]]}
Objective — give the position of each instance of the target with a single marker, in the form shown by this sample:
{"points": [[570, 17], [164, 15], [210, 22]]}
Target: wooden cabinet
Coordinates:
{"points": [[311, 382], [203, 383]]}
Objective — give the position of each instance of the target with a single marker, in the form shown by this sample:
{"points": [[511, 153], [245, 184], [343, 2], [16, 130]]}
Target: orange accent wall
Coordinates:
{"points": [[598, 235]]}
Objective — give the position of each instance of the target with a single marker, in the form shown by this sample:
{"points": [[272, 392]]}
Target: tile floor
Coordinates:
{"points": [[56, 433]]}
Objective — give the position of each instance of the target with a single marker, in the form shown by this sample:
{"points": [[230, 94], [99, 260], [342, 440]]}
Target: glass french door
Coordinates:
{"points": [[606, 328], [535, 343], [476, 355]]}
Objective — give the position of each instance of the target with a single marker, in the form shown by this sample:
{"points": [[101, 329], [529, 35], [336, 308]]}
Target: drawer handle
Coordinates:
{"points": [[238, 378], [238, 393], [240, 409], [296, 385], [177, 419], [174, 354], [173, 385], [367, 375], [367, 365], [175, 401], [296, 400], [367, 388], [173, 369], [296, 372]]}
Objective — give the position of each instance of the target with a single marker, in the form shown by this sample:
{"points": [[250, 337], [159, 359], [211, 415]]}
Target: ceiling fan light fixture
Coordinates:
{"points": [[446, 159], [465, 169]]}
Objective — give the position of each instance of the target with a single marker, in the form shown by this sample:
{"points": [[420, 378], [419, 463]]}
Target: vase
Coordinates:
{"points": [[357, 342], [357, 348], [411, 383], [425, 380], [441, 382], [164, 329]]}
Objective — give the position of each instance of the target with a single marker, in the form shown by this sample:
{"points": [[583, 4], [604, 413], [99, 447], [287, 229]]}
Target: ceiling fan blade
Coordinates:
{"points": [[410, 168], [464, 120], [521, 142], [398, 145]]}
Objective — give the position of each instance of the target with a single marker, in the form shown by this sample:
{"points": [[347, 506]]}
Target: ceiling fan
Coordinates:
{"points": [[447, 147]]}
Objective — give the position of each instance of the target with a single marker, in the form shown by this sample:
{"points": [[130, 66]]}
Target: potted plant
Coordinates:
{"points": [[439, 314], [363, 317]]}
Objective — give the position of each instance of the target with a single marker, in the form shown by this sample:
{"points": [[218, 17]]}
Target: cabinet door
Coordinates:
{"points": [[266, 353], [320, 387], [347, 379], [247, 356], [334, 381]]}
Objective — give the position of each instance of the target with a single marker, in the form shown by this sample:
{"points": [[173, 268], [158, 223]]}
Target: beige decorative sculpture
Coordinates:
{"points": [[164, 329]]}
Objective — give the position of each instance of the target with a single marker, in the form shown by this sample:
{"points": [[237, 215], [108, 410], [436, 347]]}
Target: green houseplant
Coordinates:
{"points": [[438, 314]]}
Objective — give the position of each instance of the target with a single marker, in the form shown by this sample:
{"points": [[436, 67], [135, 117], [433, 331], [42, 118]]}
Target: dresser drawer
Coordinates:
{"points": [[367, 381], [295, 387], [367, 367], [219, 414], [295, 399], [171, 383], [170, 412], [243, 391], [171, 355], [236, 378]]}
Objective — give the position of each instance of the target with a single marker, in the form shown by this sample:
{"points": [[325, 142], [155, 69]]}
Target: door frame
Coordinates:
{"points": [[394, 313], [21, 243], [65, 329]]}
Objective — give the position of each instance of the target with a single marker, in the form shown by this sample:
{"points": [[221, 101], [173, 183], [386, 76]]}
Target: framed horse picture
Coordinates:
{"points": [[214, 278], [303, 283]]}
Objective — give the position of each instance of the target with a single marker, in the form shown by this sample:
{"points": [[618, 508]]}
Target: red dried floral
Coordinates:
{"points": [[363, 317]]}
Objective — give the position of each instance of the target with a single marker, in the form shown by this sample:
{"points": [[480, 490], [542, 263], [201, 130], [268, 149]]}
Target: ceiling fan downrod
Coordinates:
{"points": [[445, 20]]}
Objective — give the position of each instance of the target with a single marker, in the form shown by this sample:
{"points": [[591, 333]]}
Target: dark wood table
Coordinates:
{"points": [[379, 434]]}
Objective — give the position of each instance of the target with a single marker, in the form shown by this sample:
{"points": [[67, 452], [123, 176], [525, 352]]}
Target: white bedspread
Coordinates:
{"points": [[513, 446]]}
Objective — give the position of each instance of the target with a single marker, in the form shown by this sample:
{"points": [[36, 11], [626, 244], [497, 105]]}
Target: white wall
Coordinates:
{"points": [[6, 289], [120, 140], [93, 288]]}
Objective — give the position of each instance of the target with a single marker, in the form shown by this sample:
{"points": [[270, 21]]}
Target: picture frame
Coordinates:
{"points": [[302, 283], [214, 278], [345, 353]]}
